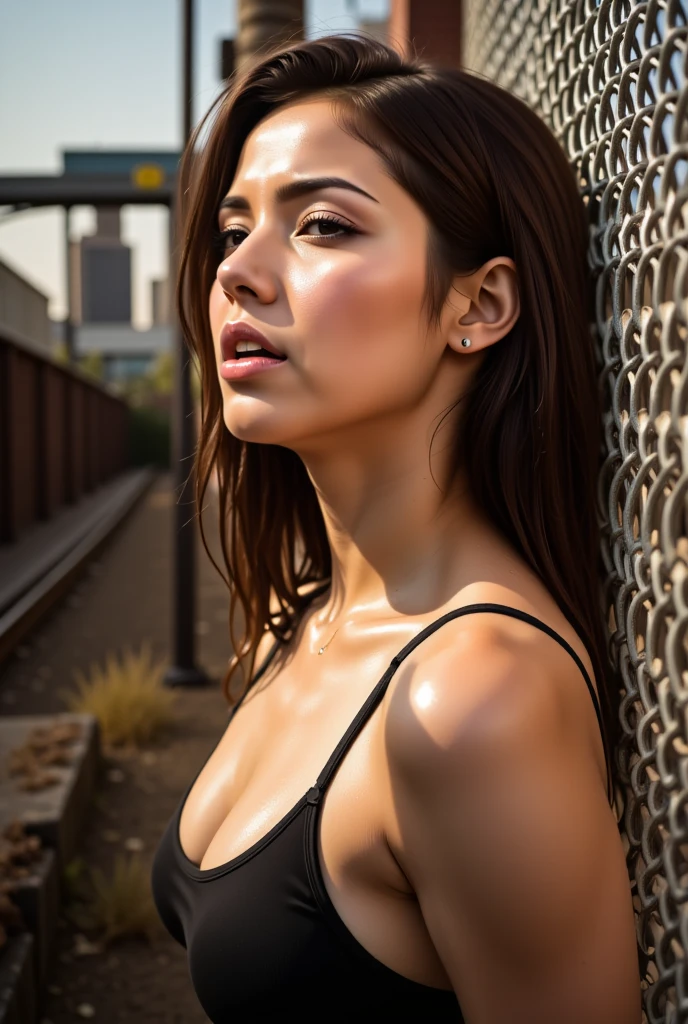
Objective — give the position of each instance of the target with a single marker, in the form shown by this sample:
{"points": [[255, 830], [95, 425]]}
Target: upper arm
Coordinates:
{"points": [[505, 833]]}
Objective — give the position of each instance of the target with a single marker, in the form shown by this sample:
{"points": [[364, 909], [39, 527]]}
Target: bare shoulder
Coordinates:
{"points": [[502, 826], [493, 682]]}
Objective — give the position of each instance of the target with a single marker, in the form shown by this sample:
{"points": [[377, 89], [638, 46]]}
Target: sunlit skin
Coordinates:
{"points": [[466, 841], [323, 299], [360, 414]]}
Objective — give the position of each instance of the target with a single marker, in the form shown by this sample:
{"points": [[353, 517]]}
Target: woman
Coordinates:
{"points": [[384, 280]]}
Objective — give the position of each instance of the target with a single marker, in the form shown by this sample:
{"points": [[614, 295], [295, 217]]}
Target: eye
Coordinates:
{"points": [[223, 241], [334, 226], [329, 226]]}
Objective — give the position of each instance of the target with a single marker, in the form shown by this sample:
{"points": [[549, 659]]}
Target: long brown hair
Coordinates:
{"points": [[492, 181]]}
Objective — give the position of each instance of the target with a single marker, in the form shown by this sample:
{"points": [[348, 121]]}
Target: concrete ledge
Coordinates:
{"points": [[56, 813], [18, 989], [38, 898], [39, 568]]}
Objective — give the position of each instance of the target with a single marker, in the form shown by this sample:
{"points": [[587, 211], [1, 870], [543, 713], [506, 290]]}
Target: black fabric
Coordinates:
{"points": [[264, 940]]}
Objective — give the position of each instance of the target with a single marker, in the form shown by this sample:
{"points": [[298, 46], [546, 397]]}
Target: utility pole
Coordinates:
{"points": [[183, 671], [69, 318], [261, 22]]}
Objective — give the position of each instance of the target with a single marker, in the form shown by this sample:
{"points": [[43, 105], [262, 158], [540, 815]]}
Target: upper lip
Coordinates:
{"points": [[231, 333]]}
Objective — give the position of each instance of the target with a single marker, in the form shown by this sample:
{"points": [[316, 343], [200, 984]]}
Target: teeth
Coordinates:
{"points": [[248, 346]]}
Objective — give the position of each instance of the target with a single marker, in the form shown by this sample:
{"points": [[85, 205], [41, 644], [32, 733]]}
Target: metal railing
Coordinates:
{"points": [[609, 78], [61, 435]]}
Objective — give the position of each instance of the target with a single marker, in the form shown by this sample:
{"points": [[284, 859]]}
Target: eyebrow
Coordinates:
{"points": [[296, 189]]}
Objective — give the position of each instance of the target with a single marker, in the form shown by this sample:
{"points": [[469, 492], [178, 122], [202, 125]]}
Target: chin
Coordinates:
{"points": [[251, 430], [257, 425]]}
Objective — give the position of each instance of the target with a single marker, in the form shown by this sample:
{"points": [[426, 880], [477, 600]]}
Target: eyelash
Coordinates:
{"points": [[220, 237]]}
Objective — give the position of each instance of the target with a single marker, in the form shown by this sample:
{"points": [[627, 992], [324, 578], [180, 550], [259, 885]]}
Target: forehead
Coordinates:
{"points": [[303, 139]]}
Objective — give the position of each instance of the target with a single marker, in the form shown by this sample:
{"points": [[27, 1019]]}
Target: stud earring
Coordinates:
{"points": [[466, 342]]}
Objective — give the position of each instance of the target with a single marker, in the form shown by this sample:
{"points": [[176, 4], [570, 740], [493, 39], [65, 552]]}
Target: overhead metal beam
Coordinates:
{"points": [[87, 190]]}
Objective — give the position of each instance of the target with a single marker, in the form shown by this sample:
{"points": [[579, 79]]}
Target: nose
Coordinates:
{"points": [[245, 275]]}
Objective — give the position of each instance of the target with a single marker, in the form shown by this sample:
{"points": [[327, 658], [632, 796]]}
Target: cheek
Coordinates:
{"points": [[361, 312]]}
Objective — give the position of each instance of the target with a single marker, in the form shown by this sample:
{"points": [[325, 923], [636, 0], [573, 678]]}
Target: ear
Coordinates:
{"points": [[483, 306]]}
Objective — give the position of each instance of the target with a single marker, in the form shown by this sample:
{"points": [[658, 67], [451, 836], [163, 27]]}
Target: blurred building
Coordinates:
{"points": [[24, 312], [101, 273], [100, 301], [376, 27], [126, 352], [160, 302]]}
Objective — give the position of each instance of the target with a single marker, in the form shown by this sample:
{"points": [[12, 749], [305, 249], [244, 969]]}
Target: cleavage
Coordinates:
{"points": [[240, 795]]}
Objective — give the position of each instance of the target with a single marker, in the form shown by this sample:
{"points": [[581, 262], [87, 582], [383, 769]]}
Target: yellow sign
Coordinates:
{"points": [[148, 176]]}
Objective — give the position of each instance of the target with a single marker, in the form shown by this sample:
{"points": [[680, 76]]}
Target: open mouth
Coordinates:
{"points": [[248, 350]]}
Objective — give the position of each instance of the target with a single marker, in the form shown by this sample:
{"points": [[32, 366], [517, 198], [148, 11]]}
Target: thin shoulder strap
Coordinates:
{"points": [[379, 691]]}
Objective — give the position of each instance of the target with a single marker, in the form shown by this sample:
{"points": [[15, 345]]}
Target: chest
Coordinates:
{"points": [[270, 755]]}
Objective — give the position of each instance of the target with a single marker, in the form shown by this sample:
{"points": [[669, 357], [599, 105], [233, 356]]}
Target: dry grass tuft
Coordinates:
{"points": [[123, 904], [128, 698]]}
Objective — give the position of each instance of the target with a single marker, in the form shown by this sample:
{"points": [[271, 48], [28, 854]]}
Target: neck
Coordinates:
{"points": [[396, 540]]}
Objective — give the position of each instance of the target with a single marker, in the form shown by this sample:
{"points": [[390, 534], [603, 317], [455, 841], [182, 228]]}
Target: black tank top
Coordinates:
{"points": [[264, 940]]}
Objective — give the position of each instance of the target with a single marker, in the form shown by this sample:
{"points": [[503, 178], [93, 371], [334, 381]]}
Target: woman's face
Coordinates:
{"points": [[332, 276]]}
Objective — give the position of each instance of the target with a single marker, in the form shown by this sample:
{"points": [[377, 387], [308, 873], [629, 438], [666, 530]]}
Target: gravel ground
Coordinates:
{"points": [[123, 598]]}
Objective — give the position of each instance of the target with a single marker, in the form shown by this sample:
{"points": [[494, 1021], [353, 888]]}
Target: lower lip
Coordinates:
{"points": [[237, 369]]}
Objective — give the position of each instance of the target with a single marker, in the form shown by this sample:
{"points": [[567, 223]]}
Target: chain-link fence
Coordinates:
{"points": [[609, 77]]}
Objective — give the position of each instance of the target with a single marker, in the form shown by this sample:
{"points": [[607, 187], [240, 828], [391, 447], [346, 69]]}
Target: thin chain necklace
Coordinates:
{"points": [[322, 649]]}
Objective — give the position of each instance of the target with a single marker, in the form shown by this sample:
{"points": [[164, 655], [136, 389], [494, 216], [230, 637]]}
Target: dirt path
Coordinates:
{"points": [[124, 598]]}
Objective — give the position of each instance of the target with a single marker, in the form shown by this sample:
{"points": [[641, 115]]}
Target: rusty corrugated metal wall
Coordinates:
{"points": [[609, 77]]}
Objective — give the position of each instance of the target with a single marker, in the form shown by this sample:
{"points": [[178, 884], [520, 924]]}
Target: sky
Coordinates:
{"points": [[86, 74]]}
